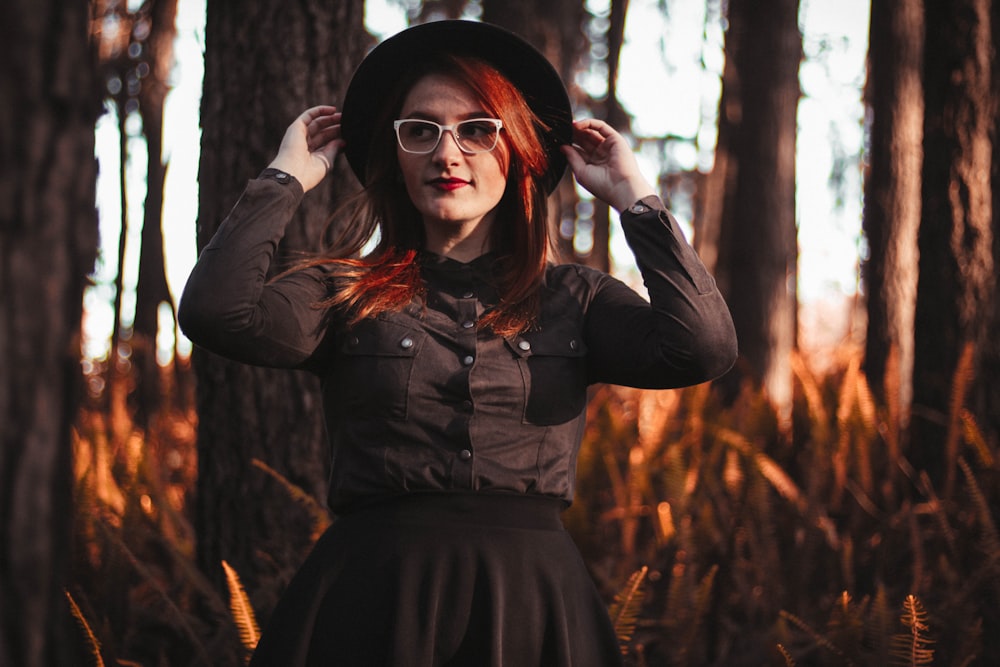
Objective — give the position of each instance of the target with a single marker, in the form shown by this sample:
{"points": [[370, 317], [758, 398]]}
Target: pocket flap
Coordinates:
{"points": [[549, 343], [382, 338]]}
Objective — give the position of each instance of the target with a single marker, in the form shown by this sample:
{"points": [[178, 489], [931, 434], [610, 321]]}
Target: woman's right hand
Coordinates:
{"points": [[310, 145]]}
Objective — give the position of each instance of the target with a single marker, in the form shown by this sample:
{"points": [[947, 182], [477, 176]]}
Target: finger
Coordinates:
{"points": [[587, 139], [593, 125], [325, 119], [323, 137], [314, 112], [574, 158]]}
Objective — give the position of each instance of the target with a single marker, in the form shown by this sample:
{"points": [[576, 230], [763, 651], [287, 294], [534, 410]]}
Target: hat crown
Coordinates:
{"points": [[384, 68]]}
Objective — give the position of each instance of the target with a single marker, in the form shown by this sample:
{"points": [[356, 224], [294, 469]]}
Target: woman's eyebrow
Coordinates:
{"points": [[425, 115]]}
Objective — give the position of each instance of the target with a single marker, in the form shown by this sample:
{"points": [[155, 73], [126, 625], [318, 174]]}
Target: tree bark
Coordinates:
{"points": [[892, 199], [754, 178], [556, 29], [986, 396], [151, 288], [614, 114], [956, 291], [264, 64], [48, 243]]}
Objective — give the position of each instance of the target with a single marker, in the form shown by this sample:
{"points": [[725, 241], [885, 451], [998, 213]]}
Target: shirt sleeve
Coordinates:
{"points": [[683, 335], [229, 307]]}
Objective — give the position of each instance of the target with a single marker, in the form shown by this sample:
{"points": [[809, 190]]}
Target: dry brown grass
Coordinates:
{"points": [[822, 547]]}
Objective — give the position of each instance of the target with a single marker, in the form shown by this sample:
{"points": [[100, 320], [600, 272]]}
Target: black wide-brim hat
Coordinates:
{"points": [[383, 68]]}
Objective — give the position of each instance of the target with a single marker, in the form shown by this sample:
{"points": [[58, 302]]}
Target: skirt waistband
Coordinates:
{"points": [[476, 509]]}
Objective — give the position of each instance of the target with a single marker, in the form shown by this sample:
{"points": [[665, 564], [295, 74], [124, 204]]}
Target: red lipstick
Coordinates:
{"points": [[448, 184]]}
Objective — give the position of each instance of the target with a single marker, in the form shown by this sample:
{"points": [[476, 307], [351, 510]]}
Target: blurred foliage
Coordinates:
{"points": [[818, 546]]}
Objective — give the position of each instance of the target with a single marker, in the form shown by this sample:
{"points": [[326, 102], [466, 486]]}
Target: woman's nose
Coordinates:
{"points": [[447, 148]]}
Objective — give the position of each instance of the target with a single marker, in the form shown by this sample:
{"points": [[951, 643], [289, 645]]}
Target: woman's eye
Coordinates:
{"points": [[420, 130], [475, 130]]}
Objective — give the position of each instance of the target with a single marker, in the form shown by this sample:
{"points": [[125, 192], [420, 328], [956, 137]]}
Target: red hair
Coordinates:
{"points": [[388, 278]]}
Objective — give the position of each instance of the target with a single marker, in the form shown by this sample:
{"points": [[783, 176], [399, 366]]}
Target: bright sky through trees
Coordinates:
{"points": [[669, 81]]}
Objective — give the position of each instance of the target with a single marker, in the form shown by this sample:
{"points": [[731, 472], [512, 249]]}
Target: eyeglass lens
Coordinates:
{"points": [[472, 136]]}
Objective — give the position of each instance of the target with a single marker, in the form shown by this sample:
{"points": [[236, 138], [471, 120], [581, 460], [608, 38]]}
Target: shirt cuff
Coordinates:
{"points": [[278, 175], [645, 205]]}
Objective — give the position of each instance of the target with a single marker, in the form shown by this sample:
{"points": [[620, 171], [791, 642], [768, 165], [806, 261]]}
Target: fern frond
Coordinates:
{"points": [[846, 627], [624, 611], [789, 661], [93, 645], [960, 383], [913, 648], [665, 522], [780, 480], [974, 436], [818, 638], [866, 403], [321, 518], [812, 393], [732, 473], [147, 576], [767, 466], [242, 611], [702, 602], [991, 538], [880, 626], [939, 512]]}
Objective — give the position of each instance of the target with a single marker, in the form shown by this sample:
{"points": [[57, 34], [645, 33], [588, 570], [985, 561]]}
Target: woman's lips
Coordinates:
{"points": [[448, 184]]}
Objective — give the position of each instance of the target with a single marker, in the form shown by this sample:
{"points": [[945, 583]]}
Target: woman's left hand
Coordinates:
{"points": [[605, 165], [310, 146]]}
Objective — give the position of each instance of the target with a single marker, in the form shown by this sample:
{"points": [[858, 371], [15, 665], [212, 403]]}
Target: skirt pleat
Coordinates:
{"points": [[444, 579]]}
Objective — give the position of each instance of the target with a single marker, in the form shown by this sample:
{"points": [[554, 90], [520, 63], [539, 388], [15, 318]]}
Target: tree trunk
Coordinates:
{"points": [[754, 175], [116, 326], [264, 64], [986, 397], [956, 291], [892, 199], [556, 29], [614, 114], [48, 243], [151, 289]]}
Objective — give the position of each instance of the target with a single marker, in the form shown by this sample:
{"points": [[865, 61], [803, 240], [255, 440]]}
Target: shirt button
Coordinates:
{"points": [[467, 406], [354, 341], [465, 455], [468, 324], [573, 345], [524, 345], [468, 295], [467, 360], [406, 343]]}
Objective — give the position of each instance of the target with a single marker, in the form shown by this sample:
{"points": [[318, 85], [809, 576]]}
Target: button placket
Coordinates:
{"points": [[467, 334]]}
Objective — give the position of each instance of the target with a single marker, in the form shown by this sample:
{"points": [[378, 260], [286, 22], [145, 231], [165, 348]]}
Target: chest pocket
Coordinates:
{"points": [[377, 365], [553, 371]]}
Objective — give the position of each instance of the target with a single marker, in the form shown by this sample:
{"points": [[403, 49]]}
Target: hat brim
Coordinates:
{"points": [[512, 56]]}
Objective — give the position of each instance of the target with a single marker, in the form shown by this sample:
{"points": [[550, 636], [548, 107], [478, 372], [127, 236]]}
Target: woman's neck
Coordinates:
{"points": [[461, 242]]}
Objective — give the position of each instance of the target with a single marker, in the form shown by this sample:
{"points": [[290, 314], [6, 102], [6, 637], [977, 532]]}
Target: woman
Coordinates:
{"points": [[454, 357]]}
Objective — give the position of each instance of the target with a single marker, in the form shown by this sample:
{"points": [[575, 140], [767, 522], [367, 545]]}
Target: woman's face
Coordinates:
{"points": [[455, 192]]}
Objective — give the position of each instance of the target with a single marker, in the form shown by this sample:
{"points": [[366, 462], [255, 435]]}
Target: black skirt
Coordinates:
{"points": [[444, 579]]}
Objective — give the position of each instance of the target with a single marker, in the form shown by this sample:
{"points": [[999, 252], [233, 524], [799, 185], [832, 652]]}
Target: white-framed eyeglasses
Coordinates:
{"points": [[476, 135]]}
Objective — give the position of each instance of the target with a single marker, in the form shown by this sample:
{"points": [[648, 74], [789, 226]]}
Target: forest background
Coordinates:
{"points": [[830, 505]]}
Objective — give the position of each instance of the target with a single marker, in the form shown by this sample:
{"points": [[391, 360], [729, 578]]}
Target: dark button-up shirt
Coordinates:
{"points": [[426, 400]]}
